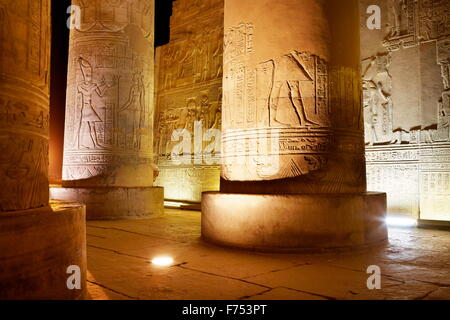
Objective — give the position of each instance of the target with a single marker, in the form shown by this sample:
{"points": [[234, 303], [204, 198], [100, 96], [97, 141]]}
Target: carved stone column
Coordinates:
{"points": [[108, 159], [293, 166], [38, 240]]}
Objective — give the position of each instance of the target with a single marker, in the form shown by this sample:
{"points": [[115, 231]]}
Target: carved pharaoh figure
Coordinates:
{"points": [[109, 106], [89, 116]]}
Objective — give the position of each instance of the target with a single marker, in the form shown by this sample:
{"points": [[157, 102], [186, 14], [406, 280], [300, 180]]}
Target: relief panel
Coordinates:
{"points": [[414, 137], [24, 103], [109, 112]]}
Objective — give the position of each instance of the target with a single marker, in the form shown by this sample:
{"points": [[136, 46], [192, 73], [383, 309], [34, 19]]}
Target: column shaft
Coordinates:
{"points": [[293, 166], [292, 118], [108, 152], [109, 110], [24, 104], [38, 241]]}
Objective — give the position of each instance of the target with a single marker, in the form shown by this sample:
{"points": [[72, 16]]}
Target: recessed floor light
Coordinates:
{"points": [[162, 261]]}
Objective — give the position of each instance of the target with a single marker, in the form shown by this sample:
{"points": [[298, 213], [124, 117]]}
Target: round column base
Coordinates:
{"points": [[296, 222], [114, 203], [36, 248]]}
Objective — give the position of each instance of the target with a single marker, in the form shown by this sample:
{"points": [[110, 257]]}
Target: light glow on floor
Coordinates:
{"points": [[162, 261], [172, 204], [401, 221]]}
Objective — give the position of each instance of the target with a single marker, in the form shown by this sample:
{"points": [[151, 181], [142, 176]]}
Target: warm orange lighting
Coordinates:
{"points": [[162, 261]]}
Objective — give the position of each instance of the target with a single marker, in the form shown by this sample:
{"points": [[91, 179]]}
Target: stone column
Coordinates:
{"points": [[293, 166], [108, 160], [38, 240]]}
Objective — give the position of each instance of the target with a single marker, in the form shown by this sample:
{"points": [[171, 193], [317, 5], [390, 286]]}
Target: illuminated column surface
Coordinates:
{"points": [[109, 111], [31, 265], [293, 166]]}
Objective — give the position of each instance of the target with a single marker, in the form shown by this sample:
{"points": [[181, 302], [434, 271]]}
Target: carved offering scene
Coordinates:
{"points": [[405, 76], [211, 156], [188, 117]]}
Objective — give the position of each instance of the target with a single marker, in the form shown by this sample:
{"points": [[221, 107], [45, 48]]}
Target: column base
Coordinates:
{"points": [[297, 222], [114, 203], [36, 248]]}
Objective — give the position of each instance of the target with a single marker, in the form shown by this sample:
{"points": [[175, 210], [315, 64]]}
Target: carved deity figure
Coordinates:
{"points": [[377, 113], [187, 59], [202, 59], [205, 107], [217, 57], [191, 116], [89, 116], [445, 73], [216, 119], [170, 63], [443, 114], [378, 104], [399, 18], [134, 109], [162, 134], [291, 93]]}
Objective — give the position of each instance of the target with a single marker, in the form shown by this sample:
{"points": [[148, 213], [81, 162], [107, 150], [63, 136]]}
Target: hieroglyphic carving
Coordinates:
{"points": [[109, 95], [292, 109], [189, 91], [293, 91], [414, 21], [24, 103], [378, 108], [238, 41], [410, 162]]}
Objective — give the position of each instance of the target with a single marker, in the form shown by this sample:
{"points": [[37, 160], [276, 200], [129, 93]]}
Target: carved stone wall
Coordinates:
{"points": [[406, 105], [109, 108], [24, 103], [189, 96]]}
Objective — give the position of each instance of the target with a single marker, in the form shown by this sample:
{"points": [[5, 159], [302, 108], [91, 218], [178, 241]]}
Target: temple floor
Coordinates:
{"points": [[414, 265]]}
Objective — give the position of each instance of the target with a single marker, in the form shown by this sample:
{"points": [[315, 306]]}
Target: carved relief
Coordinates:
{"points": [[291, 91], [238, 41], [293, 116], [415, 21], [109, 96], [410, 162], [189, 91], [24, 103], [378, 107]]}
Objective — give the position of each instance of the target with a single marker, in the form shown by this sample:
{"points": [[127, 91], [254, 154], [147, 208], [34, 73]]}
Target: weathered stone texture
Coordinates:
{"points": [[406, 105], [189, 90], [293, 131], [24, 103], [109, 108]]}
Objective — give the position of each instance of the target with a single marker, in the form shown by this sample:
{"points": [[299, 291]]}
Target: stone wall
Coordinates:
{"points": [[405, 71], [189, 81]]}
